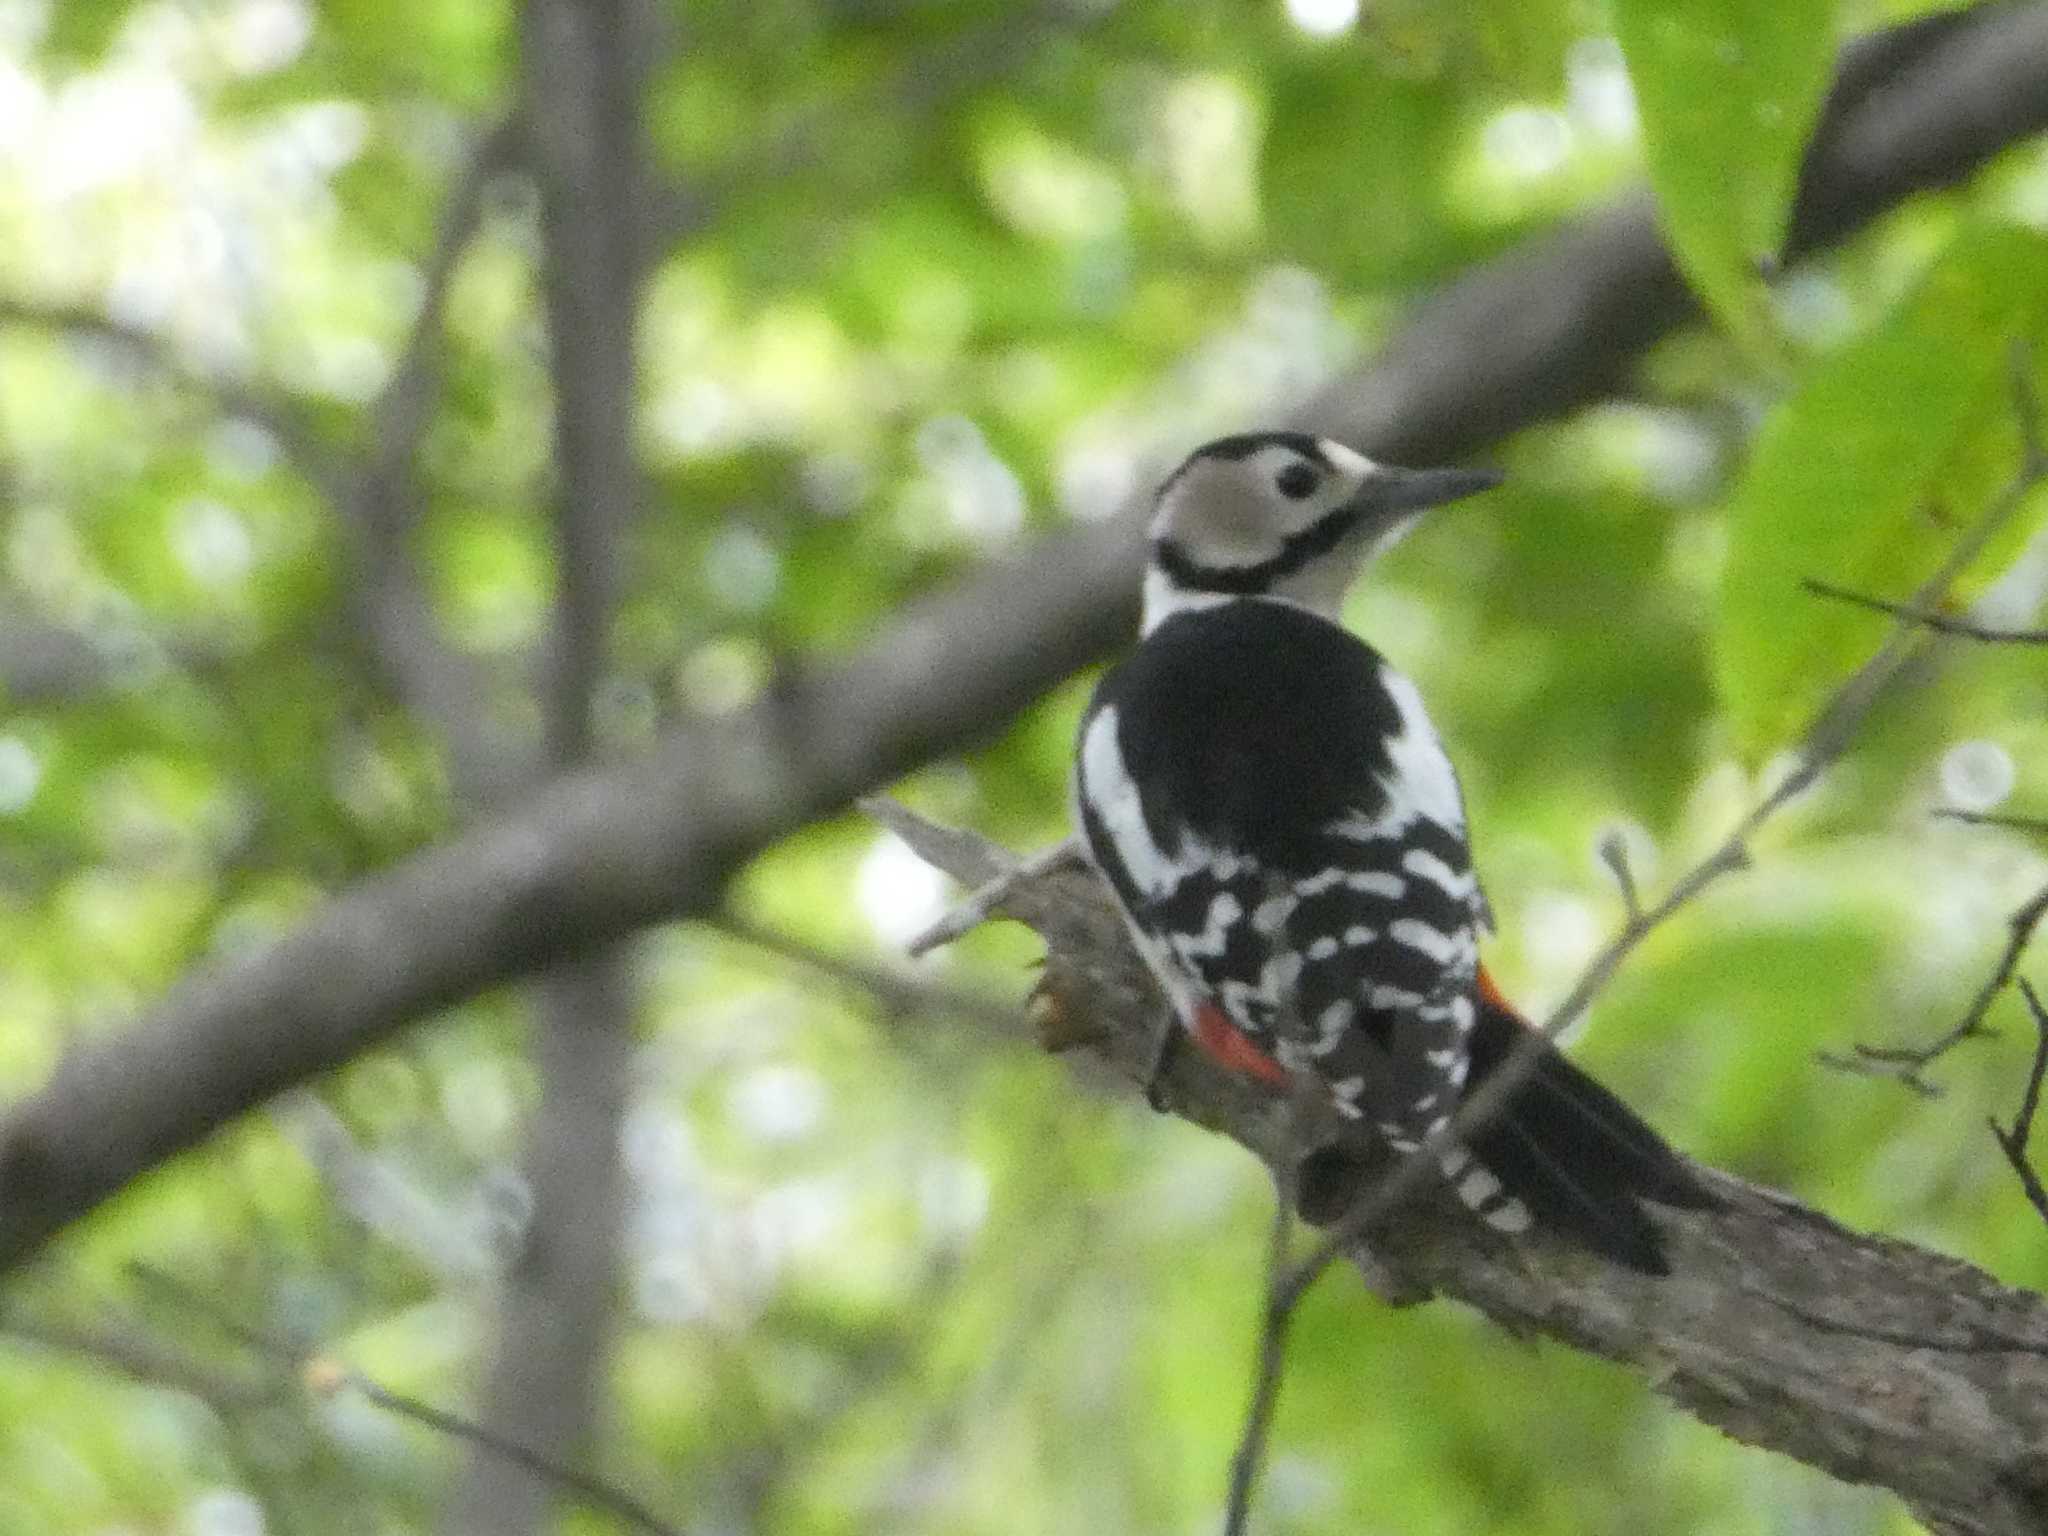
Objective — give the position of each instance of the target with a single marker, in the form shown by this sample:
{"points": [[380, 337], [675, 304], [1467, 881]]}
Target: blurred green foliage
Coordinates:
{"points": [[944, 277], [1729, 94]]}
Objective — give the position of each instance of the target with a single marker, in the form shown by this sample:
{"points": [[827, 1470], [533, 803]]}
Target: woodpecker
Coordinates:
{"points": [[1286, 837]]}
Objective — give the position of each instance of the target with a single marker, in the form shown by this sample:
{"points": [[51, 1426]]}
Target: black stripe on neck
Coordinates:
{"points": [[1312, 543]]}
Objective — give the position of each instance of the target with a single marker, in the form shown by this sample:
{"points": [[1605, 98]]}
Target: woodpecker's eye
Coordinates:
{"points": [[1296, 480]]}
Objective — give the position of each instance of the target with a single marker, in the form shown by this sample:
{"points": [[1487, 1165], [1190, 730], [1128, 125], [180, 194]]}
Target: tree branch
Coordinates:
{"points": [[441, 687], [1927, 618], [295, 1366], [582, 62], [1871, 1359], [1908, 1062], [2013, 1143], [599, 852], [1250, 1454]]}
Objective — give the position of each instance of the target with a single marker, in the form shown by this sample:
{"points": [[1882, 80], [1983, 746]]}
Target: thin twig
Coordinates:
{"points": [[443, 689], [591, 1490], [140, 1357], [171, 357], [1281, 1301], [1992, 819], [896, 991], [1908, 1062], [323, 1373], [982, 903], [1614, 854], [1826, 737], [1942, 623], [2014, 1142], [1291, 1034]]}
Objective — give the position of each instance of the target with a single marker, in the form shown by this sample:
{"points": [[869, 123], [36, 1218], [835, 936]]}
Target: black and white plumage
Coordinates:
{"points": [[1286, 835]]}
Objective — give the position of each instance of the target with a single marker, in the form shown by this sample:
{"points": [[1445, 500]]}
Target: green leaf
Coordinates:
{"points": [[81, 32], [1865, 477], [1728, 92]]}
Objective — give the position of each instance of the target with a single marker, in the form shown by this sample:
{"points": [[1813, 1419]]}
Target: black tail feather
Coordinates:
{"points": [[1574, 1154]]}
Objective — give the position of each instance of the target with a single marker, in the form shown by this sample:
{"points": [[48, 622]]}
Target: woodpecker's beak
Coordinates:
{"points": [[1391, 495]]}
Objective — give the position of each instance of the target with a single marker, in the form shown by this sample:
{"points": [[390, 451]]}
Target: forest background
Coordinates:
{"points": [[483, 490]]}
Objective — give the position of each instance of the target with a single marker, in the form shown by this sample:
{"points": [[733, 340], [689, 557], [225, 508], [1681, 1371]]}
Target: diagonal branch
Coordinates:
{"points": [[381, 507], [1928, 618]]}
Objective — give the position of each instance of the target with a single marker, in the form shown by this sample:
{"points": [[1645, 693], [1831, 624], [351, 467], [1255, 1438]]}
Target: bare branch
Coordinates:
{"points": [[1614, 854], [2013, 1143], [1250, 1454], [141, 1357], [316, 1371], [1941, 623], [1908, 1062], [986, 900], [898, 991], [236, 396], [442, 688], [592, 1491], [1989, 819]]}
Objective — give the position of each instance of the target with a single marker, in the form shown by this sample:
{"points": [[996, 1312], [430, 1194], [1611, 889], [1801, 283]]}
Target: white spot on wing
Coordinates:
{"points": [[1511, 1217], [1330, 1027], [1478, 1186], [1272, 912], [1214, 938], [1377, 882], [1418, 935], [1420, 861]]}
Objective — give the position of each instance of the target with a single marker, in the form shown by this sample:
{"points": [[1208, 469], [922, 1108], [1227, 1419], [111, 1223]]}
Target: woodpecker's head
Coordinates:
{"points": [[1283, 514]]}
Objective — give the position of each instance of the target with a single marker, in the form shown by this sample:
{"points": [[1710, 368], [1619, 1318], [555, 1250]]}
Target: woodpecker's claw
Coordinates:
{"points": [[1162, 1062]]}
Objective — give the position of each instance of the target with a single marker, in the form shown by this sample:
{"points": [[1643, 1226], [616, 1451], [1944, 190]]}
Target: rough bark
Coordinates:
{"points": [[1874, 1360], [597, 853]]}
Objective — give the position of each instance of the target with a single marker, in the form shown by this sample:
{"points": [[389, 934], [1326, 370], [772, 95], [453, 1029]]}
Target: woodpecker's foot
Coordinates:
{"points": [[1162, 1062], [1058, 1024]]}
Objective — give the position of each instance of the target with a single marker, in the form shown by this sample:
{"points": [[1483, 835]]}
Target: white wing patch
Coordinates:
{"points": [[1112, 794], [1422, 783]]}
